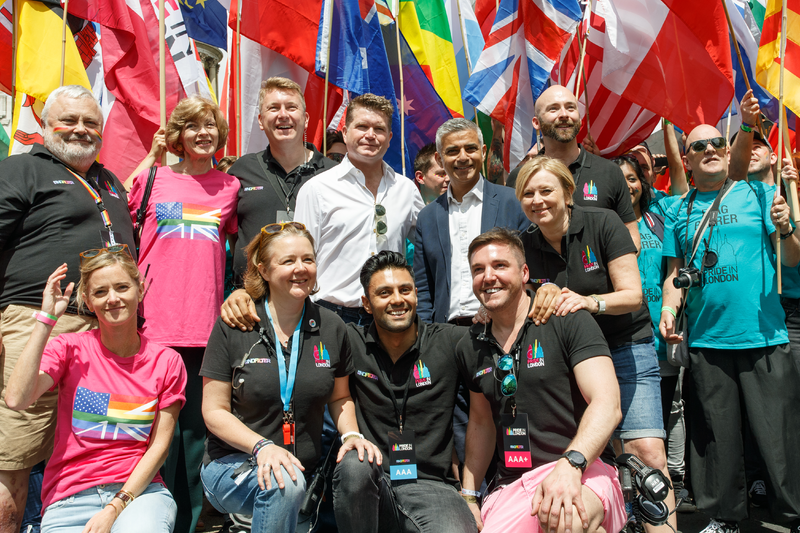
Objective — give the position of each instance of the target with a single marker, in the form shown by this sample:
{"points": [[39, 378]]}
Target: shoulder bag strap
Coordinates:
{"points": [[140, 213]]}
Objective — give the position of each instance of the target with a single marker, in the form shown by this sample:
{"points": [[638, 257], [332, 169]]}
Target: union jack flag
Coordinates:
{"points": [[525, 42]]}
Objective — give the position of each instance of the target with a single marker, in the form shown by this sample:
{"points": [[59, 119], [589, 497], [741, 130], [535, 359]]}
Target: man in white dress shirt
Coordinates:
{"points": [[357, 208]]}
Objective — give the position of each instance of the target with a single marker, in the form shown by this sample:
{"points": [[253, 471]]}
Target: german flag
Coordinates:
{"points": [[769, 61]]}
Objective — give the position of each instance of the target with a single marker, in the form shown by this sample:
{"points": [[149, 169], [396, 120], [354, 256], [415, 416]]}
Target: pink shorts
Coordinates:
{"points": [[508, 509]]}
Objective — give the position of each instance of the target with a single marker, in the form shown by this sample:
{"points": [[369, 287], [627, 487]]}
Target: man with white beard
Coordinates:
{"points": [[55, 202]]}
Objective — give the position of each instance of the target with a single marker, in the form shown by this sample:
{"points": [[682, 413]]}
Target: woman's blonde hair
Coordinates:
{"points": [[102, 260], [260, 251], [193, 109], [553, 166]]}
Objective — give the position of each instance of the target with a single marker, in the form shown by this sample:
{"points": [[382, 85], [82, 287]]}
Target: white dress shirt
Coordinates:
{"points": [[464, 219], [338, 210]]}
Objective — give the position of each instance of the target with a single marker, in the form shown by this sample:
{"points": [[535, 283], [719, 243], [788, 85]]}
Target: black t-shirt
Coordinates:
{"points": [[256, 401], [431, 395], [547, 390], [598, 183], [47, 217], [260, 197], [595, 237]]}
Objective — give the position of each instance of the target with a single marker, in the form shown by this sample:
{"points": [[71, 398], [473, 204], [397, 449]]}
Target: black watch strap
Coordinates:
{"points": [[576, 459]]}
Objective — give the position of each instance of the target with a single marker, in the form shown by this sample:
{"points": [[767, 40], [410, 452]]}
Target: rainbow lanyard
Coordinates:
{"points": [[100, 206]]}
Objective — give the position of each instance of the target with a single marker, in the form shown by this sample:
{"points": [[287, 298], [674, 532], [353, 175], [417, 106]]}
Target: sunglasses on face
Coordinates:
{"points": [[700, 146], [278, 227], [116, 249]]}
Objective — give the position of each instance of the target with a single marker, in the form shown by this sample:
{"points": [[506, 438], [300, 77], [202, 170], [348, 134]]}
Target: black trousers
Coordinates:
{"points": [[764, 383]]}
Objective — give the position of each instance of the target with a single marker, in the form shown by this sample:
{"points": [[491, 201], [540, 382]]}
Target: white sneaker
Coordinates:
{"points": [[717, 526]]}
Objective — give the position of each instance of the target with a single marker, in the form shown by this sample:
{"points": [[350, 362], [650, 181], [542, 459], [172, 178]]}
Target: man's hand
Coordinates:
{"points": [[557, 493], [667, 328], [589, 145], [239, 311], [361, 446], [570, 302], [749, 108], [780, 214], [544, 303], [788, 172]]}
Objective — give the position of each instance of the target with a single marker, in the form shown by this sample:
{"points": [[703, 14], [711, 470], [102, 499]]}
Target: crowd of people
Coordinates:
{"points": [[292, 331]]}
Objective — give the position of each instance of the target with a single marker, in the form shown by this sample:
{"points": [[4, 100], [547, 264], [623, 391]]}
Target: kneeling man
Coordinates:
{"points": [[547, 396]]}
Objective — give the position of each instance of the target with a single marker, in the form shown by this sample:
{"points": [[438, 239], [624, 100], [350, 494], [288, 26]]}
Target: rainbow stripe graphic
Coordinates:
{"points": [[535, 351], [105, 416], [177, 220], [590, 188], [321, 353], [421, 371], [588, 257]]}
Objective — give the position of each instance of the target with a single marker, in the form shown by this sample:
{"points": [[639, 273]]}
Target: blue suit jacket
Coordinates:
{"points": [[432, 252]]}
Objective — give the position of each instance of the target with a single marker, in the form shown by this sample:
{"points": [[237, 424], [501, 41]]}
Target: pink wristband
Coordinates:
{"points": [[45, 318]]}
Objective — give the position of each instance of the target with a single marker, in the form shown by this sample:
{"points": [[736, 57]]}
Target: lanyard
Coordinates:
{"points": [[287, 385], [400, 414], [100, 206]]}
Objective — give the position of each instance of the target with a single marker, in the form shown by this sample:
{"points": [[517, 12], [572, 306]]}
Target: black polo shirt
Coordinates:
{"points": [[547, 390], [324, 356], [598, 183], [594, 238], [48, 218], [431, 395], [260, 197]]}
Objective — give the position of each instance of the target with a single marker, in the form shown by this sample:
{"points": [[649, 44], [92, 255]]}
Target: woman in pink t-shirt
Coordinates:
{"points": [[190, 212], [119, 395]]}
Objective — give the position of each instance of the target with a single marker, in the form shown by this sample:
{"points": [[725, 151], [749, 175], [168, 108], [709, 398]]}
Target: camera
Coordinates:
{"points": [[688, 277]]}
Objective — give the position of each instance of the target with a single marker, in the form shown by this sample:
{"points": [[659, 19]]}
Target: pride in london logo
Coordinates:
{"points": [[321, 357], [590, 191], [589, 260], [535, 354], [422, 376]]}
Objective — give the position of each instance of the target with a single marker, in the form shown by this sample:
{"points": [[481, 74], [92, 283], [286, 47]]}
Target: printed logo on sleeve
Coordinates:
{"points": [[105, 416], [589, 260], [258, 361], [422, 376], [248, 189], [539, 281], [368, 375], [321, 357], [535, 354], [590, 191], [483, 372], [63, 182]]}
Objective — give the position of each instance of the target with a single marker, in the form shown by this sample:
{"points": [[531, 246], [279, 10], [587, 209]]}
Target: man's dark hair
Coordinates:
{"points": [[499, 235], [382, 261], [424, 158]]}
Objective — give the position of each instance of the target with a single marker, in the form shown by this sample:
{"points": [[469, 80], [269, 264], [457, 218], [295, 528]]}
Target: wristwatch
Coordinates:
{"points": [[576, 459], [601, 304]]}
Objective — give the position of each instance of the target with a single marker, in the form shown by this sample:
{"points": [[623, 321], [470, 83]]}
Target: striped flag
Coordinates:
{"points": [[524, 45], [178, 220], [6, 35], [769, 61], [105, 416]]}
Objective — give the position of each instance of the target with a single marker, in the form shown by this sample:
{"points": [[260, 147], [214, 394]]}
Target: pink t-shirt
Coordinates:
{"points": [[183, 245], [106, 407]]}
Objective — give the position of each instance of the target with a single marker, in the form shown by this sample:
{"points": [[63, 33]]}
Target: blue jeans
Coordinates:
{"points": [[272, 510], [365, 500], [152, 511], [637, 370]]}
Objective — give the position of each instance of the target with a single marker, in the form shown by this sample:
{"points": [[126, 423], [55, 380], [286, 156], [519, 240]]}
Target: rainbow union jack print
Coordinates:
{"points": [[104, 416], [177, 220]]}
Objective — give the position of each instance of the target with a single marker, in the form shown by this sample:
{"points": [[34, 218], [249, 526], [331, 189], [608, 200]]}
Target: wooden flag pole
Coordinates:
{"points": [[582, 76], [238, 80], [63, 43], [328, 17], [582, 43], [15, 8], [162, 71], [469, 69], [402, 91], [782, 122], [730, 116], [791, 194]]}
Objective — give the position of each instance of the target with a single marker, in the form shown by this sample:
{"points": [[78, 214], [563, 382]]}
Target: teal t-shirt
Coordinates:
{"points": [[651, 270], [738, 305]]}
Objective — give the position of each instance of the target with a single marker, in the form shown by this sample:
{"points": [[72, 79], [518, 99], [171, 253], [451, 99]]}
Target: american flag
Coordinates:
{"points": [[107, 416], [525, 42]]}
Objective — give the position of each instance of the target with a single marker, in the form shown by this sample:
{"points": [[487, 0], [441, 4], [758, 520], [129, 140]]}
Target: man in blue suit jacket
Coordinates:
{"points": [[446, 226]]}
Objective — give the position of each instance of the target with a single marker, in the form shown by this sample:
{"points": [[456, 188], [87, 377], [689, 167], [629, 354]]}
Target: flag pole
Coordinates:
{"points": [[63, 43], [794, 204], [329, 21], [238, 80], [730, 116], [402, 91], [781, 124], [15, 8], [162, 71], [469, 68], [582, 74]]}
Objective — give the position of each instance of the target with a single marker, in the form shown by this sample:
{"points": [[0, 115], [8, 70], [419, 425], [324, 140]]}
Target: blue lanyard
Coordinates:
{"points": [[287, 385]]}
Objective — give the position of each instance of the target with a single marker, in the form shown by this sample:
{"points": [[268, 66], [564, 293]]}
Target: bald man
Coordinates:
{"points": [[598, 182], [738, 344]]}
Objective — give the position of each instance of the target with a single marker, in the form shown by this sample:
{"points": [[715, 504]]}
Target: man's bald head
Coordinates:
{"points": [[554, 93], [556, 115], [708, 164]]}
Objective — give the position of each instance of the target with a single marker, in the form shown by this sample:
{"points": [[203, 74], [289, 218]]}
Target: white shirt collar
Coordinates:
{"points": [[476, 191]]}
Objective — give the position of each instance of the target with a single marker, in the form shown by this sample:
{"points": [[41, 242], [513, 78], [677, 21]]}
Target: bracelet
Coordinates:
{"points": [[351, 434], [469, 499], [785, 236], [260, 445], [747, 128], [45, 318], [126, 497], [468, 492], [670, 310]]}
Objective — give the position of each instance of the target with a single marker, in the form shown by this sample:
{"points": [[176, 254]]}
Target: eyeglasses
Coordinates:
{"points": [[278, 227], [380, 220], [508, 385], [116, 249], [717, 142]]}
